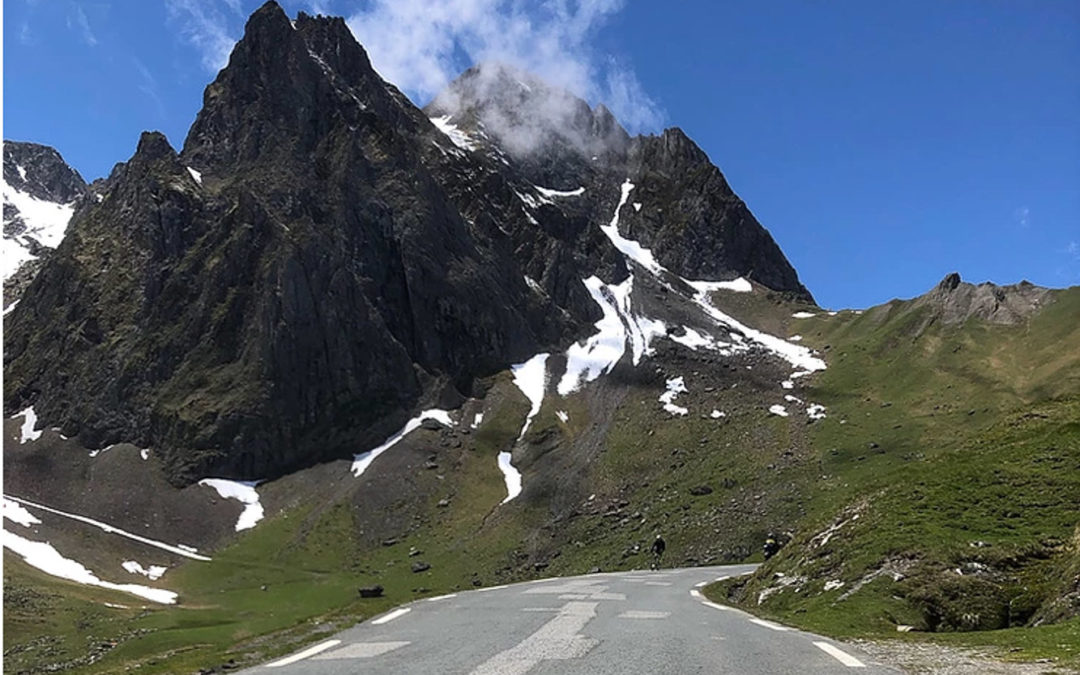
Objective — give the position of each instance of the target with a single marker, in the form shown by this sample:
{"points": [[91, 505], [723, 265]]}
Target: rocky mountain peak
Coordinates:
{"points": [[40, 171], [955, 301]]}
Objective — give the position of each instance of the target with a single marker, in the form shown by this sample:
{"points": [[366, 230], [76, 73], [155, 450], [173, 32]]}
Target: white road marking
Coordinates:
{"points": [[703, 583], [442, 597], [721, 578], [310, 651], [695, 593], [361, 650], [718, 606], [492, 588], [840, 655], [657, 583], [643, 614], [540, 609], [769, 624], [558, 639], [391, 616]]}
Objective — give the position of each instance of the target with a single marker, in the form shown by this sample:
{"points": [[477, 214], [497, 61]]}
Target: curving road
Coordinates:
{"points": [[615, 623]]}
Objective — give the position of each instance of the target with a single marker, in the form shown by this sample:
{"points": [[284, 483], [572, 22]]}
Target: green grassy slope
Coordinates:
{"points": [[949, 479]]}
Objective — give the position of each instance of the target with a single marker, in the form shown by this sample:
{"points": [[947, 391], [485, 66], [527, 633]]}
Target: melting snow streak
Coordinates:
{"points": [[363, 460]]}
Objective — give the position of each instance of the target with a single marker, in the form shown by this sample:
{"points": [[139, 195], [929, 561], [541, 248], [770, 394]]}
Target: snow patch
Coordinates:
{"points": [[628, 247], [145, 453], [815, 411], [15, 512], [717, 414], [26, 431], [778, 410], [787, 384], [531, 378], [44, 557], [675, 386], [153, 573], [242, 491], [833, 585], [363, 460], [563, 416], [22, 172], [477, 420], [511, 476], [457, 136], [739, 285], [803, 315], [795, 338], [598, 354], [637, 206], [179, 549], [10, 307], [197, 175], [45, 223], [560, 193]]}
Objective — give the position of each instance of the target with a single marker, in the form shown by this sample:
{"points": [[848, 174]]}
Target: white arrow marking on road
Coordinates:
{"points": [[556, 639], [310, 651], [769, 624], [840, 655], [391, 616], [361, 650]]}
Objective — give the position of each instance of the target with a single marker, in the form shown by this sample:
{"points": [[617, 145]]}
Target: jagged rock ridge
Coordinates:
{"points": [[320, 260]]}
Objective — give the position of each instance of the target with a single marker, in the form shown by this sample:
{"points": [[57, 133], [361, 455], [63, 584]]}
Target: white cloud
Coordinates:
{"points": [[420, 45], [202, 23]]}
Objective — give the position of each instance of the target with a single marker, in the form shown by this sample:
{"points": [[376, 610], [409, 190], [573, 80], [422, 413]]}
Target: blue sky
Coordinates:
{"points": [[883, 144]]}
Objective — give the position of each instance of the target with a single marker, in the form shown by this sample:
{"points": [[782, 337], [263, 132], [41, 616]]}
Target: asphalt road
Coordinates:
{"points": [[616, 623]]}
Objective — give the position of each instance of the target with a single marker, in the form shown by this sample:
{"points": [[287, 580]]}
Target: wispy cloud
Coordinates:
{"points": [[76, 20], [148, 85], [205, 27], [1073, 249], [1022, 216], [420, 45]]}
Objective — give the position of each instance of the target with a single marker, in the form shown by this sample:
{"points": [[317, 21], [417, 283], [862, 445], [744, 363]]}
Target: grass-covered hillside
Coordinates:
{"points": [[947, 487]]}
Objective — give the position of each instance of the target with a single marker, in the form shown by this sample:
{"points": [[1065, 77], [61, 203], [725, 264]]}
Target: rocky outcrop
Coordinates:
{"points": [[954, 301]]}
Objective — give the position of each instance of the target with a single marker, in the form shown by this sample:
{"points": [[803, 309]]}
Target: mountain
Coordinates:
{"points": [[40, 191], [338, 342], [320, 262]]}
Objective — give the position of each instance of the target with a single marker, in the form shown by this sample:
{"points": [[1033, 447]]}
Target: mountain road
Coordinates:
{"points": [[653, 622]]}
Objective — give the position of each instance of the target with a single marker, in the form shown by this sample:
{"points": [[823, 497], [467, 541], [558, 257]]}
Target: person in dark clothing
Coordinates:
{"points": [[658, 547], [771, 546]]}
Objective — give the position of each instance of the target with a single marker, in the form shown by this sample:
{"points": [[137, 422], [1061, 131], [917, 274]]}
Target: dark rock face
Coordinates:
{"points": [[320, 261]]}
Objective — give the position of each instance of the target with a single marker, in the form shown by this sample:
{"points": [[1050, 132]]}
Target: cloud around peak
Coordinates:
{"points": [[420, 46]]}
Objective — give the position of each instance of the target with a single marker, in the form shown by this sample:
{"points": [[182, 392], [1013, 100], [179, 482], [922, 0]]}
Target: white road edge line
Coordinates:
{"points": [[310, 651], [442, 597], [840, 655], [492, 588], [391, 616], [703, 583], [695, 593], [769, 624], [717, 606]]}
